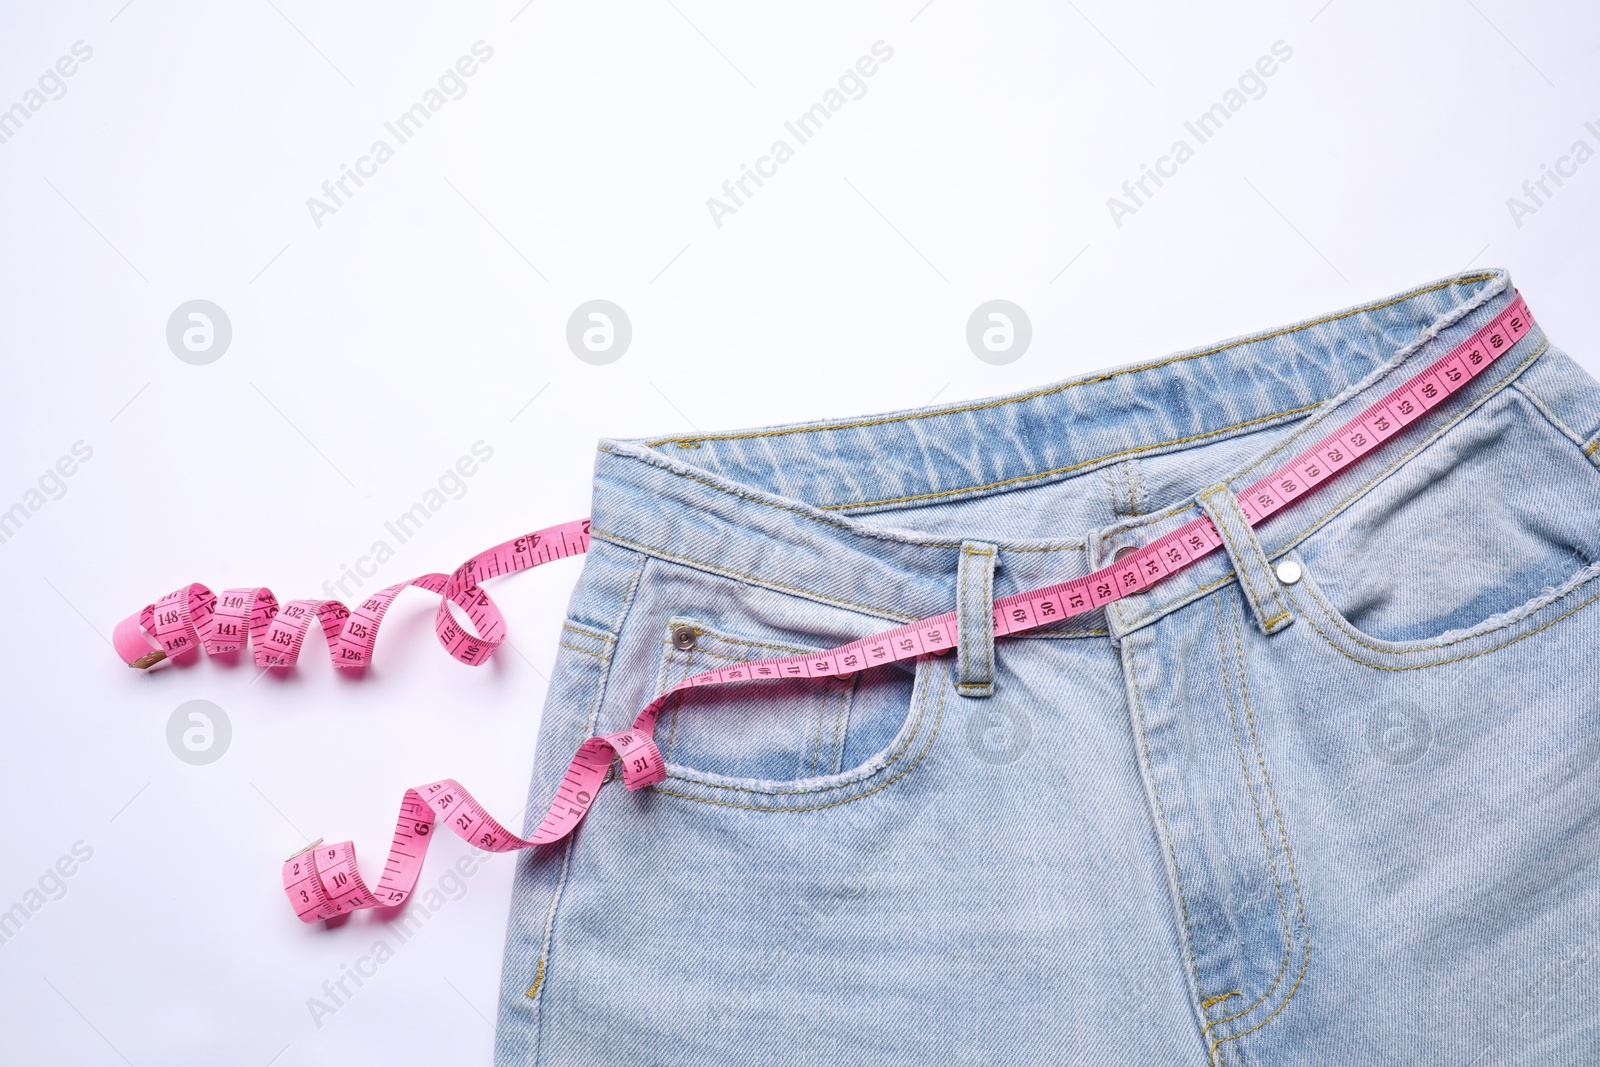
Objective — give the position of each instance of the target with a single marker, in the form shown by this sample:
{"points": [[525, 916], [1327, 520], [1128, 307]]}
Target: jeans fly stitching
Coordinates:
{"points": [[1261, 823], [1283, 837], [1161, 815]]}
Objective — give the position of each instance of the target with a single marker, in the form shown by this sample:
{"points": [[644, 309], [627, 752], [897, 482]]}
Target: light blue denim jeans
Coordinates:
{"points": [[1352, 818]]}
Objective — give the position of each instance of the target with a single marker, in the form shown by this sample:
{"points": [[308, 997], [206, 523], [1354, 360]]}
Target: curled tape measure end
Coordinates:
{"points": [[303, 851], [132, 645], [194, 618]]}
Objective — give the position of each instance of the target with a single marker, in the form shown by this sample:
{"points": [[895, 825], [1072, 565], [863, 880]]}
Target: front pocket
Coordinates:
{"points": [[1478, 528], [1552, 607], [785, 730]]}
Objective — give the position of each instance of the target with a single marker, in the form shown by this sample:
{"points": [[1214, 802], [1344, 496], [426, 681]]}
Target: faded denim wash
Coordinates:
{"points": [[1349, 819]]}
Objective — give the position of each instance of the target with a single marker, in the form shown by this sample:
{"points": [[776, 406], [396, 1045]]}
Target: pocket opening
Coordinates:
{"points": [[796, 730], [1480, 527], [1551, 606]]}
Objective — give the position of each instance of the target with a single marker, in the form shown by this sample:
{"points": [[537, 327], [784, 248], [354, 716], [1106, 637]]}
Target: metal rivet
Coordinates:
{"points": [[1288, 572], [683, 637], [1123, 553]]}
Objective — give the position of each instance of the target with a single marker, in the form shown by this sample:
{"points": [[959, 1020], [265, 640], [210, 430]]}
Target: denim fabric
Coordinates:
{"points": [[1229, 820]]}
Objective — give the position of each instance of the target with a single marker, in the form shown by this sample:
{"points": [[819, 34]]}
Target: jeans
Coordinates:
{"points": [[1340, 812]]}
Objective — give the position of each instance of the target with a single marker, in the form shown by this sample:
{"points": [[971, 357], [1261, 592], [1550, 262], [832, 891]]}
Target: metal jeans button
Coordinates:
{"points": [[683, 637]]}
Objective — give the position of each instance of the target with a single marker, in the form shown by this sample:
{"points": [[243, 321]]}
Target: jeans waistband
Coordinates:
{"points": [[787, 506]]}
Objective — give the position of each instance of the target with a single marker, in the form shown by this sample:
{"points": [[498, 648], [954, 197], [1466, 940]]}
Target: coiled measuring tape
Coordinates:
{"points": [[323, 881]]}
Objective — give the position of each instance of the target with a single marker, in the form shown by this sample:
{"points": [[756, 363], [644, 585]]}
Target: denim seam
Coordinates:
{"points": [[1508, 381], [1421, 647], [585, 631], [1357, 637], [1076, 546], [1244, 578], [1336, 509], [677, 703], [1452, 659], [1049, 390], [916, 728], [1057, 635], [1166, 828], [627, 597], [938, 719], [1311, 424], [740, 493], [816, 745], [1283, 837], [832, 686], [664, 666], [728, 572], [547, 943], [1108, 484], [843, 691], [532, 992], [724, 655], [1083, 465], [1550, 416], [1261, 823], [728, 639], [845, 704], [587, 652], [1251, 543], [977, 688], [1189, 599], [1288, 949], [1403, 355], [669, 648], [987, 626], [1135, 476]]}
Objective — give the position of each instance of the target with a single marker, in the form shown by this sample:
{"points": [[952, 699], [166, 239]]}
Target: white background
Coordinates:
{"points": [[370, 352]]}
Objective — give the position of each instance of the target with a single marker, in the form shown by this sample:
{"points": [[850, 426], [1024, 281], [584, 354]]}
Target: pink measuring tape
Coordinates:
{"points": [[323, 881]]}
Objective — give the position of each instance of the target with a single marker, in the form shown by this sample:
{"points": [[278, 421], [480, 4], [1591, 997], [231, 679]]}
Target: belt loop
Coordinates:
{"points": [[1256, 576], [975, 619]]}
